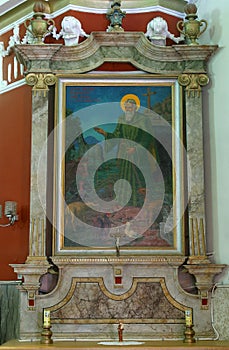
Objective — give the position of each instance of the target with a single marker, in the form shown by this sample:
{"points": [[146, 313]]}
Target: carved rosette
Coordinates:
{"points": [[193, 83], [40, 81]]}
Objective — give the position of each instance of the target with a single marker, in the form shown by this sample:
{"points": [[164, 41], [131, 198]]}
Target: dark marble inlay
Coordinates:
{"points": [[148, 302]]}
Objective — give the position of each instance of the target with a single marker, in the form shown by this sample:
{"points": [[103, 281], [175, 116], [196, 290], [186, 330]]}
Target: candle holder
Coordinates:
{"points": [[189, 334], [46, 335], [120, 332]]}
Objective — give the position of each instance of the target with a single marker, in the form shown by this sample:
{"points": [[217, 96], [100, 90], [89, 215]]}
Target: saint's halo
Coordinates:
{"points": [[130, 97]]}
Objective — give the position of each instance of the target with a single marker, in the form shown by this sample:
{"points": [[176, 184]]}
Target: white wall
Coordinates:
{"points": [[216, 133]]}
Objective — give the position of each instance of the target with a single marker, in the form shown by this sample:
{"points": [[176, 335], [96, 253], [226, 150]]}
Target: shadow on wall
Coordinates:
{"points": [[49, 280], [215, 28], [187, 281], [214, 18]]}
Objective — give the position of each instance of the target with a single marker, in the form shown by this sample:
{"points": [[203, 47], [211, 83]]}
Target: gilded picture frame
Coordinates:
{"points": [[114, 127]]}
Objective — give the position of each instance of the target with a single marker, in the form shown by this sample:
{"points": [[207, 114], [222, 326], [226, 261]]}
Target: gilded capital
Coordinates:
{"points": [[193, 83], [40, 81]]}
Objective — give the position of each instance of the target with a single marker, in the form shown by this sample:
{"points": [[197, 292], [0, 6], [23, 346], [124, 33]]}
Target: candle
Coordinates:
{"points": [[197, 236], [46, 318], [188, 317], [192, 237], [203, 236]]}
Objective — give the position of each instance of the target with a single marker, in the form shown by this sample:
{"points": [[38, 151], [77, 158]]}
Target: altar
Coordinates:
{"points": [[117, 254], [172, 345]]}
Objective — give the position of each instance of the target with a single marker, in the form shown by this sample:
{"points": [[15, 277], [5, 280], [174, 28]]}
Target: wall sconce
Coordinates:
{"points": [[10, 212]]}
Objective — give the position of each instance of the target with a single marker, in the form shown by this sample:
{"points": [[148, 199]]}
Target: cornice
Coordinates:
{"points": [[14, 15], [12, 86], [175, 5], [7, 5], [103, 47]]}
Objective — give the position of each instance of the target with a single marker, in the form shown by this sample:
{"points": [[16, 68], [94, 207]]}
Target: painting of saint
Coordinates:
{"points": [[121, 133]]}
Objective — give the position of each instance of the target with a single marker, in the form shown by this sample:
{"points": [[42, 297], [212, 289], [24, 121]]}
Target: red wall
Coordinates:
{"points": [[15, 138], [15, 130], [132, 22]]}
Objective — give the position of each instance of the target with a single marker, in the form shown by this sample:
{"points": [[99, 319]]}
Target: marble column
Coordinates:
{"points": [[195, 155], [38, 175], [195, 162]]}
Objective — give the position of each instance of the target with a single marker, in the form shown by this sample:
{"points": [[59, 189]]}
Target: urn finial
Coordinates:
{"points": [[190, 9], [41, 6], [38, 26], [191, 27]]}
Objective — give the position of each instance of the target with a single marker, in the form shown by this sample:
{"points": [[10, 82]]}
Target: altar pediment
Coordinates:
{"points": [[101, 47]]}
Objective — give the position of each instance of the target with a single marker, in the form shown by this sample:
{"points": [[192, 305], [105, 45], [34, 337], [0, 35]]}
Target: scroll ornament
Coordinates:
{"points": [[193, 83], [40, 81]]}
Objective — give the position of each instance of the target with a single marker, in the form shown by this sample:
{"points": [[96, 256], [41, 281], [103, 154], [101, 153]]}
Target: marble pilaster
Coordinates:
{"points": [[195, 156], [38, 175]]}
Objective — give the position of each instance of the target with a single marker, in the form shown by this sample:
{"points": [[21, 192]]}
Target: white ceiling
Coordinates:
{"points": [[7, 5]]}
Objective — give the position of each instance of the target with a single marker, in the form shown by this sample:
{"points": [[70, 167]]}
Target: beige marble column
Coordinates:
{"points": [[196, 205], [195, 155], [38, 175]]}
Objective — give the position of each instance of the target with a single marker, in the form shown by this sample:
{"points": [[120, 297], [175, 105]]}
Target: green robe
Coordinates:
{"points": [[133, 131]]}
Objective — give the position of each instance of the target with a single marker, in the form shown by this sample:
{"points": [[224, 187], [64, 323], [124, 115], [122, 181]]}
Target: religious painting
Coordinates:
{"points": [[118, 166]]}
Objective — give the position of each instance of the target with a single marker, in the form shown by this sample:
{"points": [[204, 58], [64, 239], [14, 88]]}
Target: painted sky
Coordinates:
{"points": [[100, 105], [78, 97]]}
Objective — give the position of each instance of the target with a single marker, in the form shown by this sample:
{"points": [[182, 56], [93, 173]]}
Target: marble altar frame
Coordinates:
{"points": [[163, 130], [187, 64]]}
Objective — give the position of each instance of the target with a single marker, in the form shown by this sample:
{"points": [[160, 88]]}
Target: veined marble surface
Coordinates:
{"points": [[220, 312], [9, 311], [147, 302]]}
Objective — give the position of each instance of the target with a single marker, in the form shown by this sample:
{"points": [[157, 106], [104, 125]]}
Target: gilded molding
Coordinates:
{"points": [[193, 83], [152, 260], [40, 81]]}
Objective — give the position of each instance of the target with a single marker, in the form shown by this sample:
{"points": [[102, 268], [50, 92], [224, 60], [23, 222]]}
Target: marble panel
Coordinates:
{"points": [[146, 303], [220, 312]]}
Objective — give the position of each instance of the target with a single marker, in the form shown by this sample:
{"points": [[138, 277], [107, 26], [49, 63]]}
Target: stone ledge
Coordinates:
{"points": [[153, 345]]}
